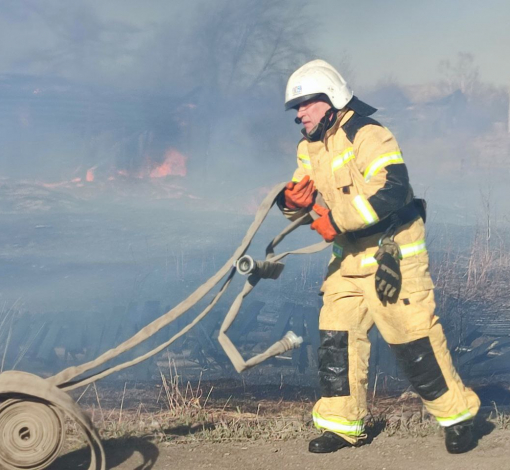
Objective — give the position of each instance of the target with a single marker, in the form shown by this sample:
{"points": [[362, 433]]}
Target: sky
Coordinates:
{"points": [[401, 39], [406, 39]]}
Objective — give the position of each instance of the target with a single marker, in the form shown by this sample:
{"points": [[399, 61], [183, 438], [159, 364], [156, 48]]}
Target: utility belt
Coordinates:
{"points": [[410, 212]]}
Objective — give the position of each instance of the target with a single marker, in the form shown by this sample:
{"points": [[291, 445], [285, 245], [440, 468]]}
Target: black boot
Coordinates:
{"points": [[459, 437], [328, 442]]}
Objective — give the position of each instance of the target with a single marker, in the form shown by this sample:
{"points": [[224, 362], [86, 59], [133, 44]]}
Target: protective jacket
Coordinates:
{"points": [[359, 170]]}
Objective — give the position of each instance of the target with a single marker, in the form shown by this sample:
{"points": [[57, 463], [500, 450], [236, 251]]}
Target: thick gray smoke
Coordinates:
{"points": [[138, 139], [103, 93]]}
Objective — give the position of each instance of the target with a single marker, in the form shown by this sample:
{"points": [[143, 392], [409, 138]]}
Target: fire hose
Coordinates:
{"points": [[32, 409]]}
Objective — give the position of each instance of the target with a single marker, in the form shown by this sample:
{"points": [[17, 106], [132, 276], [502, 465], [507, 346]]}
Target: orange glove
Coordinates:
{"points": [[299, 195], [325, 225]]}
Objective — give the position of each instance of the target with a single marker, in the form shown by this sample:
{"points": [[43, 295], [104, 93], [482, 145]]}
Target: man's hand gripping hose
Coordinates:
{"points": [[32, 409]]}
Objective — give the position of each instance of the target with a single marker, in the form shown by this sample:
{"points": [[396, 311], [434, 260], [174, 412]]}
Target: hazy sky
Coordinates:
{"points": [[407, 38], [404, 39]]}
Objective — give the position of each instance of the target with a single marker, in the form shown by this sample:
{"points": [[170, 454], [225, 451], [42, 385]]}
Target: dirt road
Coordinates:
{"points": [[384, 453]]}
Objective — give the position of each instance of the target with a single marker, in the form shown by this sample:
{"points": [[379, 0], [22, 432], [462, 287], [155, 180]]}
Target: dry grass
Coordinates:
{"points": [[183, 413], [187, 414], [500, 418]]}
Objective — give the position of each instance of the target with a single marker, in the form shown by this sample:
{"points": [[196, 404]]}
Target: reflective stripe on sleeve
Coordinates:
{"points": [[406, 251], [365, 210], [338, 251], [295, 180], [350, 428], [451, 420], [368, 261], [342, 159], [380, 162], [305, 160]]}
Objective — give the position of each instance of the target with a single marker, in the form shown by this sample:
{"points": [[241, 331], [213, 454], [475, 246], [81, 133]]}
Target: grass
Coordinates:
{"points": [[500, 418], [186, 415], [174, 411], [180, 413]]}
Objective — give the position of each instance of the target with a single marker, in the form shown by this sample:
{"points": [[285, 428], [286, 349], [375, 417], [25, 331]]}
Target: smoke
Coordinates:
{"points": [[92, 90], [138, 139]]}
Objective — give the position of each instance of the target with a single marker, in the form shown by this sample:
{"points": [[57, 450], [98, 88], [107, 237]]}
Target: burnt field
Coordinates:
{"points": [[85, 267]]}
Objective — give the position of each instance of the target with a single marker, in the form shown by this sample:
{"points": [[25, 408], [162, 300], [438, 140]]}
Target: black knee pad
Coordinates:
{"points": [[418, 362], [334, 363]]}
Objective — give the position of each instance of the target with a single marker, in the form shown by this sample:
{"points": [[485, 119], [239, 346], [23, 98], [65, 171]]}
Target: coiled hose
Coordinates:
{"points": [[32, 427], [32, 409]]}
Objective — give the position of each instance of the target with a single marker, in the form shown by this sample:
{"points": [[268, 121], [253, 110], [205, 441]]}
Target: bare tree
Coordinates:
{"points": [[240, 57], [461, 74], [245, 44]]}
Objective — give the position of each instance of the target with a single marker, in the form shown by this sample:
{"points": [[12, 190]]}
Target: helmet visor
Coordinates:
{"points": [[295, 102]]}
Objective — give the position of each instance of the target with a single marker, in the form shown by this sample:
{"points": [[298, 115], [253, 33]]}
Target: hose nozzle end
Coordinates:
{"points": [[245, 265], [292, 340]]}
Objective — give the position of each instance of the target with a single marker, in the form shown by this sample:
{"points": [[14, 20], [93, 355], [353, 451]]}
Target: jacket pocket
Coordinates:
{"points": [[343, 180]]}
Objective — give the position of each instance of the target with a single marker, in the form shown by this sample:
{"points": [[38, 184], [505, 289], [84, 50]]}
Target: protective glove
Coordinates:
{"points": [[325, 224], [388, 279], [299, 195]]}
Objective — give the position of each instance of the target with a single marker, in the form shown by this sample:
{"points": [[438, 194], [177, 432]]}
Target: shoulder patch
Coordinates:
{"points": [[353, 125]]}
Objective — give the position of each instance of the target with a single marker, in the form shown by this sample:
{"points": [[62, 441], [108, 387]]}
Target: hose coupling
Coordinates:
{"points": [[291, 341], [246, 265]]}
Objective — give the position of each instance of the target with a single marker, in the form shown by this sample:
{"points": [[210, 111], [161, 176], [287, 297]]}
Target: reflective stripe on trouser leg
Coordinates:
{"points": [[459, 403], [344, 313], [339, 426], [334, 363], [415, 334], [336, 400]]}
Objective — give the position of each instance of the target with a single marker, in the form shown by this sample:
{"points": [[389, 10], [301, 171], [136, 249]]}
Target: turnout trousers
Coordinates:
{"points": [[413, 332]]}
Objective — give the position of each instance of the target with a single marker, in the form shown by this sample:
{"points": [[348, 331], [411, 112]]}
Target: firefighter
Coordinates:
{"points": [[379, 270]]}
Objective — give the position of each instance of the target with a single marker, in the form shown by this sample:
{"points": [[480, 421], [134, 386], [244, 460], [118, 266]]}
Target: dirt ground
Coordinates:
{"points": [[383, 453]]}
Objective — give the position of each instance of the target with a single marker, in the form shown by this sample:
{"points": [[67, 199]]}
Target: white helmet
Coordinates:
{"points": [[315, 78]]}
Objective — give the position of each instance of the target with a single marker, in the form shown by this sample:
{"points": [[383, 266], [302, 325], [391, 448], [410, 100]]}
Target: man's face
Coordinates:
{"points": [[311, 112]]}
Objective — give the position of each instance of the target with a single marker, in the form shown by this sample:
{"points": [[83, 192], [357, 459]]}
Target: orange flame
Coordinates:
{"points": [[174, 164], [90, 175]]}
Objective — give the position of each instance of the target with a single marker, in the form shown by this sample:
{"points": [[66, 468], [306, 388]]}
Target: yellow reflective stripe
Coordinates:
{"points": [[351, 428], [451, 420], [412, 249], [365, 210], [305, 160], [380, 162], [368, 261], [295, 180], [338, 250], [342, 159]]}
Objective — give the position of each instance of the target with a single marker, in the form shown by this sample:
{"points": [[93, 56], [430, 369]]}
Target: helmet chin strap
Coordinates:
{"points": [[319, 131], [326, 122]]}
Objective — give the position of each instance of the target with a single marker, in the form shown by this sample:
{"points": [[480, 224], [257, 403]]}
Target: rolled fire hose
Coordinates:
{"points": [[32, 423], [32, 409]]}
